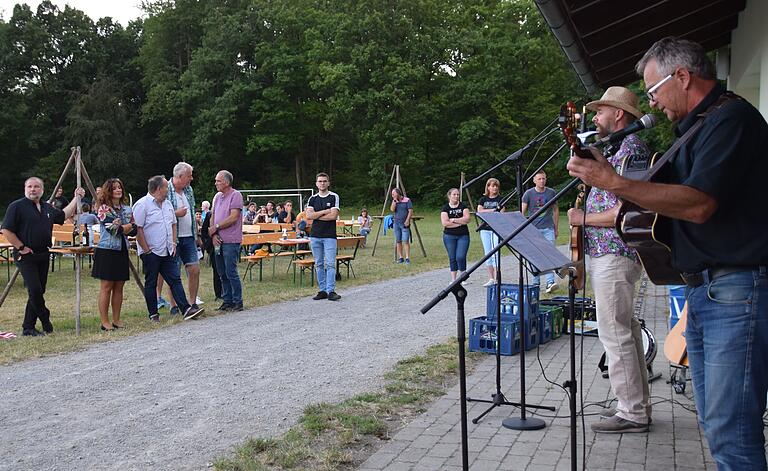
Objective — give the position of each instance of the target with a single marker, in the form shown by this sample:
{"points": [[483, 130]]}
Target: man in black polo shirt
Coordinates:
{"points": [[713, 191], [28, 225], [323, 209]]}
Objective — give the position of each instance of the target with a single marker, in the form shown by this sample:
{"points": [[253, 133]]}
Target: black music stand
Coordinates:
{"points": [[540, 256]]}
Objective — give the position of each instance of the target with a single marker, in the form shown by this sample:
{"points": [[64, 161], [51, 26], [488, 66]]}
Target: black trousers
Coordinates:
{"points": [[34, 270], [216, 279]]}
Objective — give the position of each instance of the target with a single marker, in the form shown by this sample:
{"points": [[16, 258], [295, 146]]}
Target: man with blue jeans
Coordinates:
{"points": [[156, 243], [403, 209], [533, 200], [323, 209], [226, 233], [718, 240]]}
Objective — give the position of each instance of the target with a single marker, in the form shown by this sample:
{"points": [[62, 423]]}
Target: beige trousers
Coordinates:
{"points": [[613, 279]]}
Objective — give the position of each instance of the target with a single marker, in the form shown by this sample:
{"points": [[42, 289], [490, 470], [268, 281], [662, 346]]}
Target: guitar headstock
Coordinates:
{"points": [[569, 123]]}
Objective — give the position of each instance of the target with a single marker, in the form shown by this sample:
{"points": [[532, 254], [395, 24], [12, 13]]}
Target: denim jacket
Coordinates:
{"points": [[113, 242]]}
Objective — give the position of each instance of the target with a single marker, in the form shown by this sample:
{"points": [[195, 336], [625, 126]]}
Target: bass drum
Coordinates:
{"points": [[649, 343]]}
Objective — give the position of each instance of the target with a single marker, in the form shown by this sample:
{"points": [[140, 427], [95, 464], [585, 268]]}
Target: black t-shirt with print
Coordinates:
{"points": [[455, 213], [320, 228], [489, 203]]}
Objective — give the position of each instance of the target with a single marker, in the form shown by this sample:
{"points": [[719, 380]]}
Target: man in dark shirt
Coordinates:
{"points": [[286, 216], [323, 209], [719, 241], [28, 225]]}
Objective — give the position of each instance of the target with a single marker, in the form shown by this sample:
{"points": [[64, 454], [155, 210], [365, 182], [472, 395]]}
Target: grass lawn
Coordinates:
{"points": [[60, 294]]}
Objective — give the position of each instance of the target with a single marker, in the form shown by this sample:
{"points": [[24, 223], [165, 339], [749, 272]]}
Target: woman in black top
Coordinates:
{"points": [[490, 201], [455, 216]]}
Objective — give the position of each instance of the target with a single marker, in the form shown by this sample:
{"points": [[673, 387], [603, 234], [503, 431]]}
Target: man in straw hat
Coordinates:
{"points": [[615, 269]]}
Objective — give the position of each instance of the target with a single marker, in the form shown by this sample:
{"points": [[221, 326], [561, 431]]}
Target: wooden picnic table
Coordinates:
{"points": [[347, 226], [5, 251]]}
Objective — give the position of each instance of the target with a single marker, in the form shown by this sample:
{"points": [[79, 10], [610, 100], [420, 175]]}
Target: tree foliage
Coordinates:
{"points": [[278, 90]]}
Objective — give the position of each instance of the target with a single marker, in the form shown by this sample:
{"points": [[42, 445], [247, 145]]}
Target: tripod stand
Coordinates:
{"points": [[542, 266], [498, 399]]}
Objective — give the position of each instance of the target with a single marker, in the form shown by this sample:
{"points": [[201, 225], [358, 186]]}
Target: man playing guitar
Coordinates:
{"points": [[712, 190], [615, 270]]}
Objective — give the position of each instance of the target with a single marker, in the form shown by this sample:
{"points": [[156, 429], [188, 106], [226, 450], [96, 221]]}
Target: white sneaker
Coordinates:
{"points": [[199, 301], [551, 287], [490, 282]]}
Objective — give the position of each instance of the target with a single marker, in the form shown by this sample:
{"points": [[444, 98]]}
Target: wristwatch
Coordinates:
{"points": [[217, 227]]}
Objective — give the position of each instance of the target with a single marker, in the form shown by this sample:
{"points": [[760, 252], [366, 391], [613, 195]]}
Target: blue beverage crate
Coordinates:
{"points": [[545, 326], [482, 335], [676, 303], [509, 304], [588, 305], [532, 329], [556, 312]]}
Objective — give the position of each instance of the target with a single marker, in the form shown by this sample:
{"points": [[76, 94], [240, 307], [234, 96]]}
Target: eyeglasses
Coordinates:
{"points": [[651, 93]]}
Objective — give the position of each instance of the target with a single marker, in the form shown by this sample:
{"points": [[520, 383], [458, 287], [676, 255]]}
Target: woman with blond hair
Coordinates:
{"points": [[110, 263], [490, 201]]}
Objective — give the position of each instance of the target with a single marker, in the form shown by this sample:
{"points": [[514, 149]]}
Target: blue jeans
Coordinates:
{"points": [[226, 265], [490, 240], [727, 339], [169, 268], [324, 251], [186, 251], [402, 233], [457, 247], [548, 234]]}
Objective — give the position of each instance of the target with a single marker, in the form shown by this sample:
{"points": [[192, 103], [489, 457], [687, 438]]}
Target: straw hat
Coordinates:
{"points": [[618, 97]]}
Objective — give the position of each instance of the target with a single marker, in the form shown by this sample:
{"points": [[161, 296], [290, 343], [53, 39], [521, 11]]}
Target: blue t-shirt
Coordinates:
{"points": [[535, 201], [401, 209], [89, 219]]}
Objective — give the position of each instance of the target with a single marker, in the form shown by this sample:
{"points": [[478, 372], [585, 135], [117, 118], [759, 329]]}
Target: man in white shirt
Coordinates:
{"points": [[156, 243]]}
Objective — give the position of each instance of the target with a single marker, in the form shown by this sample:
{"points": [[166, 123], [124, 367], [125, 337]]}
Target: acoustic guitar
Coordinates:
{"points": [[647, 232], [674, 345]]}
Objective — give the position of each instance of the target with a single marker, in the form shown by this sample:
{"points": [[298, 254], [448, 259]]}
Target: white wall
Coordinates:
{"points": [[749, 56]]}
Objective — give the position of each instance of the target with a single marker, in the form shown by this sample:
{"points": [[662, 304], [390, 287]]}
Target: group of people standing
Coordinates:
{"points": [[167, 237], [455, 216]]}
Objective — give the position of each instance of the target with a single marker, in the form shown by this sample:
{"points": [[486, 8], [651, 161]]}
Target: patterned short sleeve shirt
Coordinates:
{"points": [[606, 240]]}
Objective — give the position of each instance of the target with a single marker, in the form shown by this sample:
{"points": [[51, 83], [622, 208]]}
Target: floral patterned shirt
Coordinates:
{"points": [[606, 240]]}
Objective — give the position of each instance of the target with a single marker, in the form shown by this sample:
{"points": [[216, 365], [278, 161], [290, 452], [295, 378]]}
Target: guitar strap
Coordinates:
{"points": [[725, 98]]}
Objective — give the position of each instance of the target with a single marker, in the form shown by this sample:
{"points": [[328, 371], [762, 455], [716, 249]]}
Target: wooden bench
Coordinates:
{"points": [[341, 259], [258, 258]]}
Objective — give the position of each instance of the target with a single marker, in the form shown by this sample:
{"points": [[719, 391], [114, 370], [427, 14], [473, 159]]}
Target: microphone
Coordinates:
{"points": [[646, 122]]}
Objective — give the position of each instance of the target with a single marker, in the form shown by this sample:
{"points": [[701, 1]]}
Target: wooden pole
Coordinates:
{"points": [[88, 182], [383, 209], [78, 255], [415, 227], [63, 174], [9, 285], [472, 208]]}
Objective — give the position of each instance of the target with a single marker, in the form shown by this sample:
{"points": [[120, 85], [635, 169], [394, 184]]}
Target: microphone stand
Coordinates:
{"points": [[514, 192], [498, 399], [515, 155], [457, 289]]}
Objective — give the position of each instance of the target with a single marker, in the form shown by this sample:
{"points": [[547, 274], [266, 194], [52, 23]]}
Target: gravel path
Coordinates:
{"points": [[180, 397]]}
